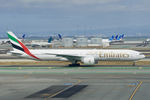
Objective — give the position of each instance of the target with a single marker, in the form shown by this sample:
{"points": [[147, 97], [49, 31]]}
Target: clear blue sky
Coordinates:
{"points": [[75, 16]]}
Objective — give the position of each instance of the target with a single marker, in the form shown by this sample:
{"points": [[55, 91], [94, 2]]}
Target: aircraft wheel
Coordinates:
{"points": [[73, 65]]}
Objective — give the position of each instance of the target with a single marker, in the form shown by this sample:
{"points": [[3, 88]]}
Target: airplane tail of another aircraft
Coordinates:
{"points": [[117, 37], [112, 38], [60, 37], [50, 39]]}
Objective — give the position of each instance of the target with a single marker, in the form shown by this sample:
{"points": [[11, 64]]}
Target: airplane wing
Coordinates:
{"points": [[69, 57]]}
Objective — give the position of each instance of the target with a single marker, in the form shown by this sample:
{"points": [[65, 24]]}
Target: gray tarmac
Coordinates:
{"points": [[17, 83]]}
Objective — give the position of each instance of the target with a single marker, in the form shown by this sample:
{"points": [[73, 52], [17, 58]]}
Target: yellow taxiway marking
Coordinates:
{"points": [[131, 85], [136, 89], [79, 81]]}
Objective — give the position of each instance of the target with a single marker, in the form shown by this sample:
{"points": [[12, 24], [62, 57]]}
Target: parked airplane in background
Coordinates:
{"points": [[86, 56], [51, 38], [4, 41], [117, 37], [23, 36], [60, 37]]}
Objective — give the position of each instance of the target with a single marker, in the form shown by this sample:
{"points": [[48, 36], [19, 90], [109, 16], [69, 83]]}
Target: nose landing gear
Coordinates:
{"points": [[74, 63], [134, 63]]}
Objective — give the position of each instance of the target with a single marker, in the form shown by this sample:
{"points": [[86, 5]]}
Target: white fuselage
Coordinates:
{"points": [[98, 54]]}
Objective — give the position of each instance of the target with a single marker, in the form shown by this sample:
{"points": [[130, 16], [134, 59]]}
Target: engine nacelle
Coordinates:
{"points": [[89, 61]]}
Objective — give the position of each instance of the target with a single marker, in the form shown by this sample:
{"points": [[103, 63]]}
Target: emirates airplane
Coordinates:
{"points": [[85, 56]]}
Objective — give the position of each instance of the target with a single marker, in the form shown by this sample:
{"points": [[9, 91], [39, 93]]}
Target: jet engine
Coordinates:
{"points": [[89, 60]]}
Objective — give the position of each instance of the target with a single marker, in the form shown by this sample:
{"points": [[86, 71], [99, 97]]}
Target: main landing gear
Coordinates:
{"points": [[73, 65]]}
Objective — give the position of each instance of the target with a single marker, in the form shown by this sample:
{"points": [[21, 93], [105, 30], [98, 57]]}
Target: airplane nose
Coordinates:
{"points": [[142, 56]]}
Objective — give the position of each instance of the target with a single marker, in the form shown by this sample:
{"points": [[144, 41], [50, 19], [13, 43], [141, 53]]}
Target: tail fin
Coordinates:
{"points": [[116, 37], [122, 36], [15, 42], [23, 36], [60, 37], [18, 46], [50, 39], [112, 38]]}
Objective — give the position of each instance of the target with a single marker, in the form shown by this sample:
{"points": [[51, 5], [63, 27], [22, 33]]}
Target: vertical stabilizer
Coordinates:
{"points": [[18, 46]]}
